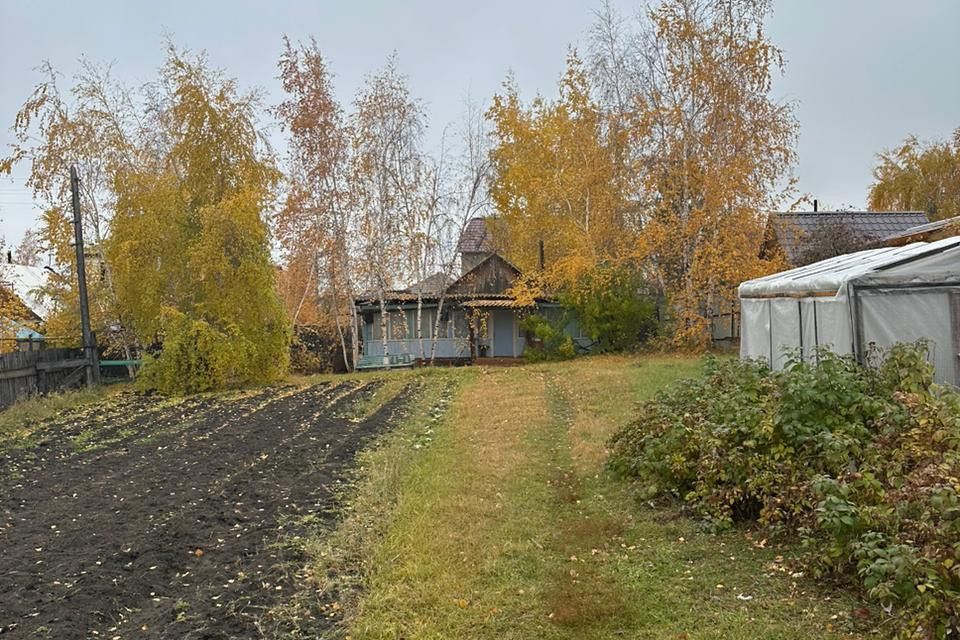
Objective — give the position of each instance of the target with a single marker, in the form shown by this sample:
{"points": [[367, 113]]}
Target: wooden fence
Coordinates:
{"points": [[27, 373]]}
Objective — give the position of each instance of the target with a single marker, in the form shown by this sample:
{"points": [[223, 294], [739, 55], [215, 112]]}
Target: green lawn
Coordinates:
{"points": [[490, 514]]}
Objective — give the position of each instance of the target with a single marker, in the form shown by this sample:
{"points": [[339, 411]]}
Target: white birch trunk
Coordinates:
{"points": [[354, 338], [383, 329], [420, 324], [436, 330]]}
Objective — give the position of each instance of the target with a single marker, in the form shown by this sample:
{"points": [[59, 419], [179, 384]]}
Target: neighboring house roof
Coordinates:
{"points": [[794, 229], [490, 279], [928, 231], [476, 237], [26, 282]]}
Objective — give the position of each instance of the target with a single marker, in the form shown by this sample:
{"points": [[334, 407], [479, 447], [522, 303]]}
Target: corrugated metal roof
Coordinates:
{"points": [[494, 304], [828, 277], [794, 229]]}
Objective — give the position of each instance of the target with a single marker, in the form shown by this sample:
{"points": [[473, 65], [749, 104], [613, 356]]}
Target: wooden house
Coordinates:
{"points": [[479, 318], [23, 308]]}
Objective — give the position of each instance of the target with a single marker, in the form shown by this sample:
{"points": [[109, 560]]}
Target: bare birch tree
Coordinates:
{"points": [[467, 198], [387, 128], [316, 223]]}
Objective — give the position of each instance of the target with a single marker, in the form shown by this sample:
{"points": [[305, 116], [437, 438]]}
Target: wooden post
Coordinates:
{"points": [[89, 346]]}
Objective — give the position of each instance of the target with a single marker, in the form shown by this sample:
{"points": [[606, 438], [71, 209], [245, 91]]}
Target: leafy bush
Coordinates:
{"points": [[612, 309], [864, 462], [199, 356], [552, 343]]}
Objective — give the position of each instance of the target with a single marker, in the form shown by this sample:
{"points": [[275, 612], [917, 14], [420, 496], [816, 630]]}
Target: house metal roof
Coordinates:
{"points": [[793, 228], [476, 237]]}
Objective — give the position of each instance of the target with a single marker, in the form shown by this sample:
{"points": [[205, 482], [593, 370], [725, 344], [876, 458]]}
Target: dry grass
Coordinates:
{"points": [[506, 525]]}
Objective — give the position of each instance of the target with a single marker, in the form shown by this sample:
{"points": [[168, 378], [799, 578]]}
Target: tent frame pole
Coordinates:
{"points": [[857, 319]]}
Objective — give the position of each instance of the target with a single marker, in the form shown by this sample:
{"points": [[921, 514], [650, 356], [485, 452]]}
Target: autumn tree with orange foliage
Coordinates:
{"points": [[315, 224], [660, 158], [711, 149]]}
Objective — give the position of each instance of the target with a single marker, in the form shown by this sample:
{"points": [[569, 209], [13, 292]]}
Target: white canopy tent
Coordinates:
{"points": [[852, 302]]}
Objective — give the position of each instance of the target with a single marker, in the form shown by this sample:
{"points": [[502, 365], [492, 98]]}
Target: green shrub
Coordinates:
{"points": [[611, 308], [863, 462], [551, 342], [198, 356]]}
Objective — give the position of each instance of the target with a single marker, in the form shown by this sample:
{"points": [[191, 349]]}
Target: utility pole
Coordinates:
{"points": [[89, 348]]}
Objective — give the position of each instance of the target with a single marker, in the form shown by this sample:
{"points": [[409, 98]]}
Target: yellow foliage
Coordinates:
{"points": [[189, 243], [718, 152], [557, 180], [919, 177]]}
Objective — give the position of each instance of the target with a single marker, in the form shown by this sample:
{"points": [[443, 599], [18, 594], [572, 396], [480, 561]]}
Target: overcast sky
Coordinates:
{"points": [[863, 73]]}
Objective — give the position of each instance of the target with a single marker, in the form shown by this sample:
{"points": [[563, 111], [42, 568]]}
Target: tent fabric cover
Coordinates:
{"points": [[899, 294], [829, 276]]}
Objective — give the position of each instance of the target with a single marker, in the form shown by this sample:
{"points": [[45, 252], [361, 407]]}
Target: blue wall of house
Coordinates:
{"points": [[503, 338]]}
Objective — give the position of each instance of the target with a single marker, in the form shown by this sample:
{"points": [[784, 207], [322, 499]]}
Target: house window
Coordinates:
{"points": [[398, 328], [460, 329], [426, 323]]}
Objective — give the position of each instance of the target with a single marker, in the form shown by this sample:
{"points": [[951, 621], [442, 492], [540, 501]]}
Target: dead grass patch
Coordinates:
{"points": [[594, 531], [568, 487], [580, 596]]}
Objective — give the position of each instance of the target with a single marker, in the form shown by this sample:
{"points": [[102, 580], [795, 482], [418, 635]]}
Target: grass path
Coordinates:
{"points": [[508, 526]]}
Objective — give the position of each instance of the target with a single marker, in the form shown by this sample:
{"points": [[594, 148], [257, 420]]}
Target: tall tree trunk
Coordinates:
{"points": [[383, 328], [436, 329], [343, 343], [306, 289], [336, 315], [354, 338], [420, 324]]}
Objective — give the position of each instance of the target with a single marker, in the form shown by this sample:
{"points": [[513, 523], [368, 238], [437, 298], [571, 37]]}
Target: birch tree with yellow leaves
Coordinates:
{"points": [[713, 148], [315, 225], [190, 242], [556, 180], [918, 176], [176, 182]]}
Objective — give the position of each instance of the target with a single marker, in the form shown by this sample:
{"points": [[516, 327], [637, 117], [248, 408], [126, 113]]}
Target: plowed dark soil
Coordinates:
{"points": [[163, 522]]}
